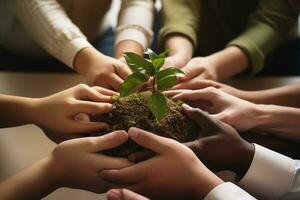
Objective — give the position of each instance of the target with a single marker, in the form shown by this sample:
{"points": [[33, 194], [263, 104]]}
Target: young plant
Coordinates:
{"points": [[144, 69]]}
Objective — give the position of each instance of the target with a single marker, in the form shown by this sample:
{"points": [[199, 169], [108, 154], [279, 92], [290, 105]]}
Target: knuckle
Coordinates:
{"points": [[68, 103]]}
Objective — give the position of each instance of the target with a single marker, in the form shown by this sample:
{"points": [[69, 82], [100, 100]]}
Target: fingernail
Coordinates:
{"points": [[114, 194], [187, 107]]}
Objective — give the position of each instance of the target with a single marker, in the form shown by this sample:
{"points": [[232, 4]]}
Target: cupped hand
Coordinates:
{"points": [[174, 173], [223, 148], [76, 163], [59, 112]]}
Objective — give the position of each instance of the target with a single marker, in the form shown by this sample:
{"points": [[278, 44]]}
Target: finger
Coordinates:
{"points": [[92, 108], [109, 162], [124, 194], [171, 93], [123, 70], [105, 91], [187, 84], [140, 156], [203, 119], [206, 94], [149, 140], [128, 175], [85, 127], [191, 71], [87, 93], [108, 141], [116, 82]]}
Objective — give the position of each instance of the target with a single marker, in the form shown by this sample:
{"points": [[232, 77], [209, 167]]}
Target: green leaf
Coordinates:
{"points": [[152, 55], [158, 63], [157, 103], [139, 64], [166, 78], [131, 83]]}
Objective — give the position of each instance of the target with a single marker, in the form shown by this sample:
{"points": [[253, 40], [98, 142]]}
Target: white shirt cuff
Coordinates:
{"points": [[270, 174], [228, 191], [72, 48]]}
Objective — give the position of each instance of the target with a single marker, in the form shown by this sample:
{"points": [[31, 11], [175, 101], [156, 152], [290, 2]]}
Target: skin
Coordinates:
{"points": [[243, 115], [181, 51], [101, 70], [146, 177], [222, 149], [74, 163], [285, 96], [61, 108]]}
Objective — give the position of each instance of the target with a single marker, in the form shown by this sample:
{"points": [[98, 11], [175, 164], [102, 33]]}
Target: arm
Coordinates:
{"points": [[48, 23], [65, 167], [61, 108], [134, 30], [179, 30], [244, 115], [267, 27]]}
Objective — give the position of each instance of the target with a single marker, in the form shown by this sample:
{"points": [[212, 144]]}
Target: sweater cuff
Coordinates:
{"points": [[135, 33], [270, 174], [72, 48], [255, 55]]}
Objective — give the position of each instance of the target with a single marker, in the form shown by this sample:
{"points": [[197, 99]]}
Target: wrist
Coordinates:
{"points": [[52, 173], [206, 182], [85, 58]]}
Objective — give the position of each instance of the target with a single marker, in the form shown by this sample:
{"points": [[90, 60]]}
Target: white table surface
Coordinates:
{"points": [[22, 146]]}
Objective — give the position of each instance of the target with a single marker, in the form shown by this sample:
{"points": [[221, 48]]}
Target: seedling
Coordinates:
{"points": [[161, 79]]}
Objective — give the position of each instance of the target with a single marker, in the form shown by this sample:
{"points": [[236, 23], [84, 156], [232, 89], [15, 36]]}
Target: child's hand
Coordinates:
{"points": [[174, 173], [58, 112], [76, 163]]}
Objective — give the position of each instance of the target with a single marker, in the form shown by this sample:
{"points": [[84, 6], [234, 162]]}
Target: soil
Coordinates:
{"points": [[133, 111]]}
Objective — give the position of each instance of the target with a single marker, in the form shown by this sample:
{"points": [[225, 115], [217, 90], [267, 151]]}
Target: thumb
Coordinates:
{"points": [[206, 122], [149, 140], [108, 141]]}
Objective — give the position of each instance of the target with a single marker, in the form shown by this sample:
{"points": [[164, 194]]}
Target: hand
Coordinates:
{"points": [[101, 70], [123, 194], [199, 68], [177, 61], [240, 114], [77, 163], [223, 149], [58, 112], [174, 173], [196, 84]]}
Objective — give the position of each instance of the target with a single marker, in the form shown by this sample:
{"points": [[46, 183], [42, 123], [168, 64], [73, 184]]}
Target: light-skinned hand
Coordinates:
{"points": [[174, 173], [240, 114], [101, 70], [76, 163], [58, 112]]}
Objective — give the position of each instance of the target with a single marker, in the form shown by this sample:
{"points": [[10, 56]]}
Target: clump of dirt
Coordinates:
{"points": [[132, 111]]}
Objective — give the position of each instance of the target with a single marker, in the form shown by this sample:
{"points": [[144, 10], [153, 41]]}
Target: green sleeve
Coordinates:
{"points": [[267, 27], [180, 17]]}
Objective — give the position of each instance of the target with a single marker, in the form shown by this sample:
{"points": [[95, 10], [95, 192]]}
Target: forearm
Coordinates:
{"points": [[34, 182], [49, 25], [284, 96], [228, 62], [279, 120], [16, 110], [134, 30]]}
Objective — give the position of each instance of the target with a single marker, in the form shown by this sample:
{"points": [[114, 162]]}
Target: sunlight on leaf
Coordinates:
{"points": [[157, 103], [131, 83]]}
